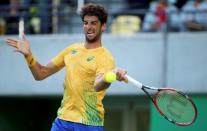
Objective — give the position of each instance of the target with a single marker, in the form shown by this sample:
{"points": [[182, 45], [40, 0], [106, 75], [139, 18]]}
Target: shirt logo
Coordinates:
{"points": [[90, 58], [74, 51]]}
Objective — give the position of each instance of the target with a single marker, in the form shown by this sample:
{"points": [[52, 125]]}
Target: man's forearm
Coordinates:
{"points": [[39, 71], [100, 83]]}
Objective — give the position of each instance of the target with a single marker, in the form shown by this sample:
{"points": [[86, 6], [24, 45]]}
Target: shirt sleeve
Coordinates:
{"points": [[59, 59], [106, 63]]}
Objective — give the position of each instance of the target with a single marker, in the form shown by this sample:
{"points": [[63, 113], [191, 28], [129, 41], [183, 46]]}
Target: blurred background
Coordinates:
{"points": [[159, 42]]}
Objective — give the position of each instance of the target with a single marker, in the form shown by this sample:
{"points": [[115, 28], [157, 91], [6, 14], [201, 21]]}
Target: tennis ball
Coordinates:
{"points": [[109, 77]]}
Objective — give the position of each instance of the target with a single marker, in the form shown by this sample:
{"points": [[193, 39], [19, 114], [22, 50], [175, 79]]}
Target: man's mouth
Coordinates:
{"points": [[90, 34]]}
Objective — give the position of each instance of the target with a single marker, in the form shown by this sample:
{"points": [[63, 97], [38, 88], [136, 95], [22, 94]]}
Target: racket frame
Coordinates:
{"points": [[180, 93], [153, 99]]}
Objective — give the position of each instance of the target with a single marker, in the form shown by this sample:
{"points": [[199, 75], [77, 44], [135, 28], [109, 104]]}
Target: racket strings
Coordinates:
{"points": [[175, 106]]}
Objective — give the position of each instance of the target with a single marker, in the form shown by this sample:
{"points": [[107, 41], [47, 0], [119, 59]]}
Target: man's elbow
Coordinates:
{"points": [[38, 78], [101, 88], [98, 89]]}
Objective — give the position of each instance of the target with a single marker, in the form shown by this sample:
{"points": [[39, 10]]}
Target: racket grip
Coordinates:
{"points": [[126, 80], [133, 81]]}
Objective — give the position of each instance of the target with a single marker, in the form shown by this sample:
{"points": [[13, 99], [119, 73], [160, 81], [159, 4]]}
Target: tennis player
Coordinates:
{"points": [[84, 85]]}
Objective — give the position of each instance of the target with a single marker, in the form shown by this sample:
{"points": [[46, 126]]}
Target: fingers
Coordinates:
{"points": [[17, 50], [10, 39], [120, 74], [12, 42]]}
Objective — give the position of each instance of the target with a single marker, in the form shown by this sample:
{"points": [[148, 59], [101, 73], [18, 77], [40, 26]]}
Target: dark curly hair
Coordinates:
{"points": [[94, 10]]}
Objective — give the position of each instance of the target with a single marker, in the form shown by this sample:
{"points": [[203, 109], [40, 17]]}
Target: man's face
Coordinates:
{"points": [[92, 28]]}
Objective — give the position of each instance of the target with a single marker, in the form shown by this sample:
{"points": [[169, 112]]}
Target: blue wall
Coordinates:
{"points": [[143, 55]]}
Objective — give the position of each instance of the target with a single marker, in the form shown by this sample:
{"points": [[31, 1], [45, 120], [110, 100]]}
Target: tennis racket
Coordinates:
{"points": [[21, 28], [173, 105]]}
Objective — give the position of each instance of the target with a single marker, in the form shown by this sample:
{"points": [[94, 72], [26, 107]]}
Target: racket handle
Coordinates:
{"points": [[133, 81]]}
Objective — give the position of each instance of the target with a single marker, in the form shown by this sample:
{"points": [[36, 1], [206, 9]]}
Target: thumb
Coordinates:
{"points": [[17, 50]]}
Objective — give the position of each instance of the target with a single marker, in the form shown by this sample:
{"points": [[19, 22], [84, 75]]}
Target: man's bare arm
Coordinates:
{"points": [[101, 84], [39, 71]]}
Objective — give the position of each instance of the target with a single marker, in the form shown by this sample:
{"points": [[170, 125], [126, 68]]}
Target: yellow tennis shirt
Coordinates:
{"points": [[81, 103]]}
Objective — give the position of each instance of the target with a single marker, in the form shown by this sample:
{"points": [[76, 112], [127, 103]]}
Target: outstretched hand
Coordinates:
{"points": [[21, 46]]}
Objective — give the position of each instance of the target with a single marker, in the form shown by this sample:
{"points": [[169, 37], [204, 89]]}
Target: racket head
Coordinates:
{"points": [[175, 106]]}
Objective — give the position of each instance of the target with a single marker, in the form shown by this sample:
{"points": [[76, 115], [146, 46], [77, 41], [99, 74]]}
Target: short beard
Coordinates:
{"points": [[94, 39], [91, 40]]}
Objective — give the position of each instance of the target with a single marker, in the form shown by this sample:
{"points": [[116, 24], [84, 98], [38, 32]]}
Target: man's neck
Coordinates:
{"points": [[92, 45]]}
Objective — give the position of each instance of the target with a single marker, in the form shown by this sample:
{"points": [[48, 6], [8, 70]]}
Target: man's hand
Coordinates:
{"points": [[21, 46], [120, 74]]}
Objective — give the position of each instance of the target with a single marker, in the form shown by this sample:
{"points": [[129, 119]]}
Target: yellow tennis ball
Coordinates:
{"points": [[110, 77]]}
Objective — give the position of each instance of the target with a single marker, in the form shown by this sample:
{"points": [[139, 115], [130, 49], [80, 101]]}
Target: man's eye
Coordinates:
{"points": [[94, 23]]}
